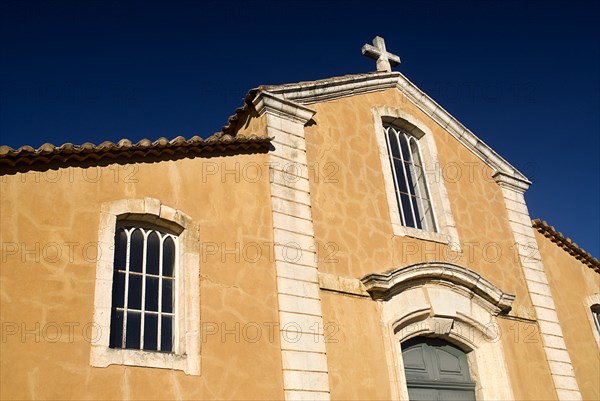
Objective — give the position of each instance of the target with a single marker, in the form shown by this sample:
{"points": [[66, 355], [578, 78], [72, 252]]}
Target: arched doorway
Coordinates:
{"points": [[436, 370]]}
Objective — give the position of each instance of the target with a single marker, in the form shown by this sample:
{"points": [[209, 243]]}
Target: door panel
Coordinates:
{"points": [[436, 370]]}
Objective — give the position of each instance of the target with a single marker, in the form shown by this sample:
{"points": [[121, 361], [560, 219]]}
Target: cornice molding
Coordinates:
{"points": [[336, 88], [266, 102], [511, 182], [382, 286]]}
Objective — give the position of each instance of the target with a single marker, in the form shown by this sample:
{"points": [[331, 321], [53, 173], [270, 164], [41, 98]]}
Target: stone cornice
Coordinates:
{"points": [[350, 85], [383, 285], [335, 88], [266, 102], [512, 182]]}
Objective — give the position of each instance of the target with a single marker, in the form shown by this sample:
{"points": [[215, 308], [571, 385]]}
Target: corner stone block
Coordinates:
{"points": [[307, 395], [311, 381], [137, 206], [296, 272], [298, 288], [306, 324], [308, 361], [167, 213], [292, 340], [152, 206]]}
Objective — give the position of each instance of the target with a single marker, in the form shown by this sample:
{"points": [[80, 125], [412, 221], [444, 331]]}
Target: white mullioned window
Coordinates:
{"points": [[143, 313], [410, 182], [147, 295]]}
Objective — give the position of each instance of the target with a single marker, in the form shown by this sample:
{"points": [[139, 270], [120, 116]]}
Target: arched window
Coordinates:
{"points": [[410, 182], [436, 370], [147, 294], [143, 312]]}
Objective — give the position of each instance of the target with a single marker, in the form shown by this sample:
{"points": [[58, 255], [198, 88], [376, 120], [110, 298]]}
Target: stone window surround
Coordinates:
{"points": [[186, 355], [447, 233], [590, 301], [450, 302]]}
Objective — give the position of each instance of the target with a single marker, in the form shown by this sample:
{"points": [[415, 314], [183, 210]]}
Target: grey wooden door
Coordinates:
{"points": [[436, 370]]}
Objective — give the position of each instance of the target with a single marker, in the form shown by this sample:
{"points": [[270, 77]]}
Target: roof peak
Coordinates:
{"points": [[310, 92]]}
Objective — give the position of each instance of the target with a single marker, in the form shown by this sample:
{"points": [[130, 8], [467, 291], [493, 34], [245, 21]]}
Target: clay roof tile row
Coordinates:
{"points": [[566, 243], [27, 155]]}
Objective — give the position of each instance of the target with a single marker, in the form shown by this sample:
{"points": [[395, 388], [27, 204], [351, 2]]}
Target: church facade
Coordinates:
{"points": [[340, 239]]}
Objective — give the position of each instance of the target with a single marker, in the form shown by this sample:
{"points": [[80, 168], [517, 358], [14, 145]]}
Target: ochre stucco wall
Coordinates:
{"points": [[571, 282], [45, 293], [526, 361], [355, 350], [354, 233]]}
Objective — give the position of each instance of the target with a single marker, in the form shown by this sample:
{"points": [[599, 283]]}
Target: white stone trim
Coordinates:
{"points": [[186, 355], [352, 85], [336, 88], [382, 285], [593, 299], [283, 109], [455, 304], [303, 352], [540, 292], [447, 232], [341, 284]]}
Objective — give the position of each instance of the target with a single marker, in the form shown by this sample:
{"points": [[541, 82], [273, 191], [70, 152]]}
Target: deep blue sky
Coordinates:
{"points": [[523, 76]]}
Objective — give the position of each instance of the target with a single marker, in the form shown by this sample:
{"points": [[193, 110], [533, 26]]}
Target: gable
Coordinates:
{"points": [[309, 93]]}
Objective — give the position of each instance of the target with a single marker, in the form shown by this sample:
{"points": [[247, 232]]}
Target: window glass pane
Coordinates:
{"points": [[133, 330], [118, 289], [167, 295], [168, 256], [408, 219], [136, 251], [426, 212], [166, 335], [393, 143], [150, 331], [151, 293], [152, 253], [404, 147], [418, 213], [414, 150], [420, 180], [400, 176], [116, 329], [120, 249], [134, 300], [410, 176]]}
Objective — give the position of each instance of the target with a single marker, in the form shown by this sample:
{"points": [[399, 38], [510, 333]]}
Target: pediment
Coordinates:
{"points": [[307, 93], [382, 286]]}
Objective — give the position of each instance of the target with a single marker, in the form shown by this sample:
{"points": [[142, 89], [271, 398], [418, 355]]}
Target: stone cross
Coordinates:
{"points": [[385, 59]]}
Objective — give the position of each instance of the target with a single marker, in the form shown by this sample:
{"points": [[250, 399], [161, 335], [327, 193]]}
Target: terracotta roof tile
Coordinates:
{"points": [[567, 244], [47, 153]]}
